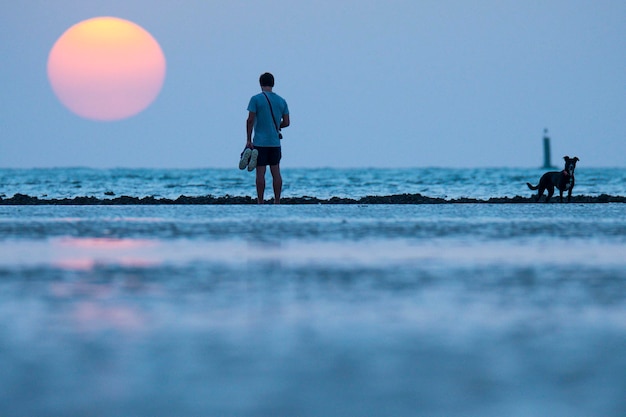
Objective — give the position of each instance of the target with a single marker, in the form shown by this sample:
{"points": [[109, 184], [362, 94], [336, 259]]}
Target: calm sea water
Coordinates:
{"points": [[321, 183], [427, 310]]}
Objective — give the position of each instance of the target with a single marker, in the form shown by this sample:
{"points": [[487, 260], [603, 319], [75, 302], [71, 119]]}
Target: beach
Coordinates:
{"points": [[335, 310]]}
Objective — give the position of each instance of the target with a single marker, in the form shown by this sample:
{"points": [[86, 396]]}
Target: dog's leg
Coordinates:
{"points": [[539, 193], [560, 195], [550, 193], [571, 188]]}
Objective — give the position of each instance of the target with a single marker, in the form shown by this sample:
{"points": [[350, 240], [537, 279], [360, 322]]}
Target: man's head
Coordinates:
{"points": [[266, 80]]}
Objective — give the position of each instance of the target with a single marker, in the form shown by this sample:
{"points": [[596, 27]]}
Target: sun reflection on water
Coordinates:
{"points": [[87, 253]]}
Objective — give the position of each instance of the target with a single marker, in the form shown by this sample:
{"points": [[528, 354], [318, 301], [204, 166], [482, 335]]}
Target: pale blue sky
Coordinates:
{"points": [[369, 83]]}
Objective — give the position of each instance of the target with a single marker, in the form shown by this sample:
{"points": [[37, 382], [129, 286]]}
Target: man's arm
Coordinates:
{"points": [[249, 127], [285, 121]]}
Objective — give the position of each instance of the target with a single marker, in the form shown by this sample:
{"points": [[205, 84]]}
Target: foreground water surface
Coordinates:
{"points": [[455, 310]]}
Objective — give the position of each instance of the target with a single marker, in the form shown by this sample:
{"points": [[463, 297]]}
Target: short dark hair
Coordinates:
{"points": [[266, 80]]}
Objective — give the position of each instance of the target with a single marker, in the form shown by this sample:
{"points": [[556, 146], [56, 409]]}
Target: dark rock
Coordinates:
{"points": [[24, 200]]}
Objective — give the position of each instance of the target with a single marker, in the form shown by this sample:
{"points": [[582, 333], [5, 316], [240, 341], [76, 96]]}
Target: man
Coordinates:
{"points": [[261, 109]]}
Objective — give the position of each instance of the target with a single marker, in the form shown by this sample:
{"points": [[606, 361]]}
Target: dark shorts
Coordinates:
{"points": [[268, 155]]}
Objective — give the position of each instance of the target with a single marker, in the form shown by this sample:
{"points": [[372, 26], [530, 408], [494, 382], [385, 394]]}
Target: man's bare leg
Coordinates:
{"points": [[277, 182], [260, 183]]}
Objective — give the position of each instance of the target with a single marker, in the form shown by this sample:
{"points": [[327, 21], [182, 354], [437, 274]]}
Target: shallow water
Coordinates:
{"points": [[455, 310]]}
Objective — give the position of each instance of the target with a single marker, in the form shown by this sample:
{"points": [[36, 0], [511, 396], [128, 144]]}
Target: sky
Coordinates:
{"points": [[393, 83]]}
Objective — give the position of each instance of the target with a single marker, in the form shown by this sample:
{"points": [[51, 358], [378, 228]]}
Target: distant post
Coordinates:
{"points": [[546, 150]]}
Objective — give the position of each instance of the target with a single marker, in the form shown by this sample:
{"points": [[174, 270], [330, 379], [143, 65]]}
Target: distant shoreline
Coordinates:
{"points": [[26, 200]]}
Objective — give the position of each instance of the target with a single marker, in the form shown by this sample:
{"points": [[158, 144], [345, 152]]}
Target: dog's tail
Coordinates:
{"points": [[532, 187]]}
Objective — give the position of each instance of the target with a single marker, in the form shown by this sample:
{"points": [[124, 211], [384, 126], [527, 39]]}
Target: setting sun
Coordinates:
{"points": [[106, 68]]}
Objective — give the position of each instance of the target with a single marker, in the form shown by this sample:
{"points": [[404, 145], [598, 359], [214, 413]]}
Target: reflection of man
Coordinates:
{"points": [[262, 108]]}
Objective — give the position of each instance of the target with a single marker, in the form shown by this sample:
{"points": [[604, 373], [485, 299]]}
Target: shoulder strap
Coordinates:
{"points": [[272, 111]]}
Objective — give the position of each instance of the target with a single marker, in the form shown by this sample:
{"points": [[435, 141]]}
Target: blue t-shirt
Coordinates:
{"points": [[265, 133]]}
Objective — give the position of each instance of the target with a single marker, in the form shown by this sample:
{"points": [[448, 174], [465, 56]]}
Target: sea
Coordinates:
{"points": [[311, 310], [323, 183]]}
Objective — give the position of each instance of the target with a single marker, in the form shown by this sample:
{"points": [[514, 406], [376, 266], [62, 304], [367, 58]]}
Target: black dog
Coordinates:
{"points": [[563, 180]]}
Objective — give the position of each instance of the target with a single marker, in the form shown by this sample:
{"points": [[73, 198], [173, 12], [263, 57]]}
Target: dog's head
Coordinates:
{"points": [[570, 164]]}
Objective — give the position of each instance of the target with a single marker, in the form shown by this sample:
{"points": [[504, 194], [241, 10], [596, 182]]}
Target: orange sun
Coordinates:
{"points": [[106, 68]]}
